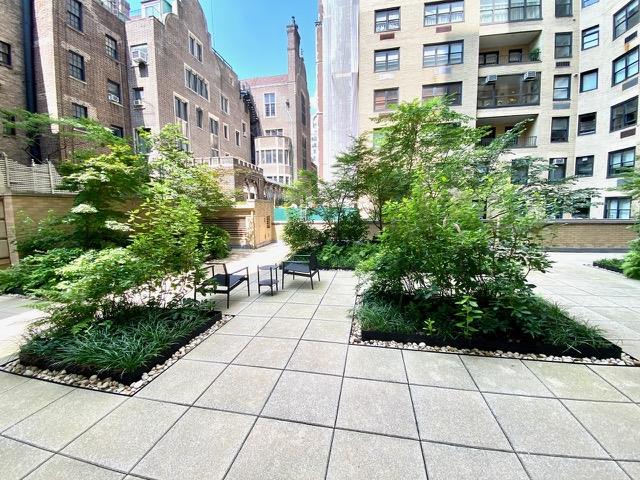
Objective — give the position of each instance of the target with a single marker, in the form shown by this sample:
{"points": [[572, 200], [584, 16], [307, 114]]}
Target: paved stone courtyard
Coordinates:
{"points": [[279, 393]]}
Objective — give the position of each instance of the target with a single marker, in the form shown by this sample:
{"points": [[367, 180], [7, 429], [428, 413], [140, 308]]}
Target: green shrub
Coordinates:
{"points": [[350, 228], [37, 274], [384, 317], [215, 241], [631, 263], [613, 264], [299, 234], [346, 257]]}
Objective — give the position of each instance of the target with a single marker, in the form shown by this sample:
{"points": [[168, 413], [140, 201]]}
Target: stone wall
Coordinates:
{"points": [[589, 234]]}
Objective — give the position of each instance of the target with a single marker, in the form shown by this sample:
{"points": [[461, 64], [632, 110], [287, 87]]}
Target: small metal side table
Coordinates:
{"points": [[270, 279]]}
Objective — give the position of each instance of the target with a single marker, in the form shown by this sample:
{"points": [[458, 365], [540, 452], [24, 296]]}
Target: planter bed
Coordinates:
{"points": [[608, 266], [517, 345]]}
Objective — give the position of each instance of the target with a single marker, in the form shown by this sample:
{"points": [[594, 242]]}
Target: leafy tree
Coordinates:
{"points": [[303, 192], [631, 263]]}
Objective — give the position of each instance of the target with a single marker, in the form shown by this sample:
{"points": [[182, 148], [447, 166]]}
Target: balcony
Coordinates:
{"points": [[520, 142], [509, 100], [507, 11], [509, 90], [490, 59]]}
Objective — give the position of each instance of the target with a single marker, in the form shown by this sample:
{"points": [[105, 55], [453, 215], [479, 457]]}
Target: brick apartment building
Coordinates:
{"points": [[283, 144], [570, 67]]}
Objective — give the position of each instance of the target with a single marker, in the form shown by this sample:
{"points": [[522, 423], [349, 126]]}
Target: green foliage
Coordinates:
{"points": [[131, 338], [383, 317], [38, 237], [303, 191], [345, 256], [613, 264], [37, 274], [299, 234], [631, 263], [469, 314], [214, 242]]}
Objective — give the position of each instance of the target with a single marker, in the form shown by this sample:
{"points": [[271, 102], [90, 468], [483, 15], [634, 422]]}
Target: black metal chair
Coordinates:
{"points": [[301, 266], [225, 282]]}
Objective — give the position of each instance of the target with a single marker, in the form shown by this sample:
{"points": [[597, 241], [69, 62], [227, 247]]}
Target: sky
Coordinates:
{"points": [[252, 36]]}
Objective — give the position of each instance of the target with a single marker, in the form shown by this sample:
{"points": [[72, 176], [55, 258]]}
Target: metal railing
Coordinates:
{"points": [[510, 60], [226, 162], [510, 100], [520, 142]]}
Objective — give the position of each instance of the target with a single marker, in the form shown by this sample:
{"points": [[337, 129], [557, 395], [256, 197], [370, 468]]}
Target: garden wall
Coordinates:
{"points": [[589, 234], [250, 224]]}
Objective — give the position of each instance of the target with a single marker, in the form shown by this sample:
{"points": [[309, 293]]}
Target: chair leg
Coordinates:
{"points": [[283, 280], [318, 275], [311, 278], [227, 300], [248, 288]]}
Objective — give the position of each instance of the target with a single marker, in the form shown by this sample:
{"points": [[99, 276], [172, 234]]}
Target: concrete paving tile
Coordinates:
{"points": [[542, 425], [574, 381], [121, 438], [63, 468], [364, 456], [284, 328], [319, 357], [456, 416], [305, 397], [625, 379], [437, 369], [632, 347], [375, 364], [327, 331], [629, 301], [279, 296], [296, 310], [8, 381], [183, 382], [306, 298], [262, 309], [219, 348], [277, 450], [60, 422], [240, 389], [18, 459], [617, 313], [377, 407], [504, 375], [448, 462], [244, 325], [235, 307], [201, 445], [267, 352], [632, 469], [615, 426], [27, 398], [339, 299], [333, 312], [559, 468]]}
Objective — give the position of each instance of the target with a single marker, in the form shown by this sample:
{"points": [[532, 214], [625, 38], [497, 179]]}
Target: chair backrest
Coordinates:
{"points": [[313, 262], [213, 268]]}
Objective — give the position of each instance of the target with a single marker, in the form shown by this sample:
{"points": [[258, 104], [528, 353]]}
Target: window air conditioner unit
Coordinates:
{"points": [[138, 103], [557, 161], [113, 98], [528, 76], [139, 57], [490, 79]]}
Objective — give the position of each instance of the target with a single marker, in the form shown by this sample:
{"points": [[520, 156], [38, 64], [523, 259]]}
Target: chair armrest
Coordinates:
{"points": [[299, 258], [246, 269]]}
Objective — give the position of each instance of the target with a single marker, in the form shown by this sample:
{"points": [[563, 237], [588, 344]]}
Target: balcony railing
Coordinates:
{"points": [[510, 100], [530, 141], [510, 14], [509, 60]]}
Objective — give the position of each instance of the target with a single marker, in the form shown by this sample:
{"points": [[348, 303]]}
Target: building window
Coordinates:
{"points": [[618, 208], [79, 111], [76, 65], [625, 18], [224, 104], [584, 166], [138, 93], [237, 138], [501, 11], [557, 169], [387, 60], [621, 160], [442, 54], [562, 87], [589, 80], [564, 8], [563, 45], [196, 83], [586, 3], [515, 55], [559, 129], [303, 109], [387, 20], [214, 126], [625, 66], [384, 99], [508, 91], [488, 58], [195, 47], [443, 12], [591, 37], [225, 131], [453, 91], [199, 118], [519, 171], [74, 14], [112, 47], [7, 122], [181, 109], [304, 153], [113, 91], [275, 132], [244, 129], [582, 211], [269, 104], [624, 114], [5, 54], [587, 123], [117, 131]]}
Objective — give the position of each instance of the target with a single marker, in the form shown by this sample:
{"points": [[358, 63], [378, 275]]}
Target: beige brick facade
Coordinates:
{"points": [[498, 42]]}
